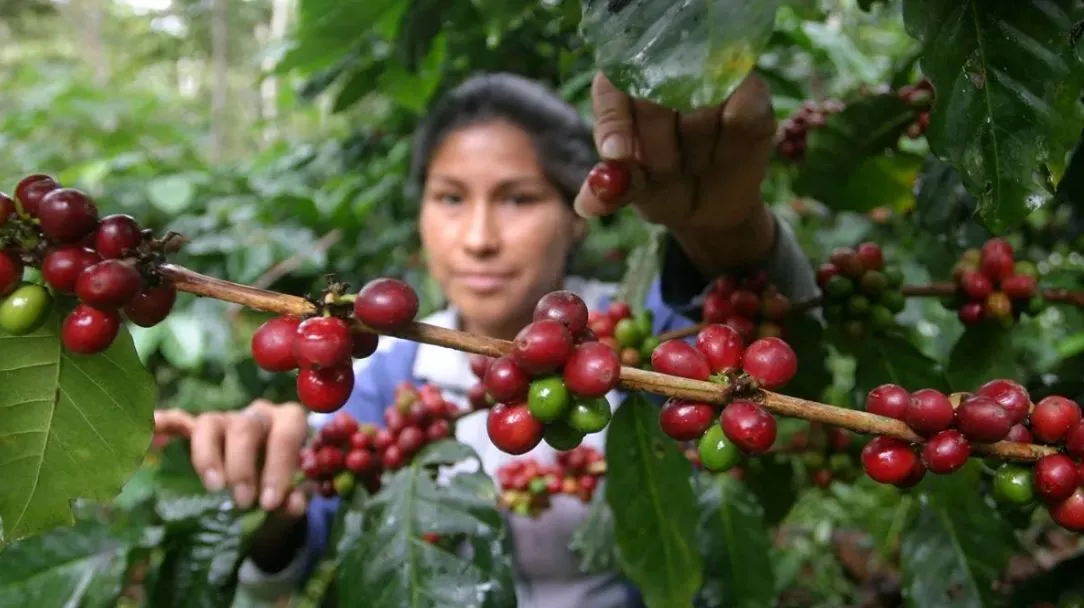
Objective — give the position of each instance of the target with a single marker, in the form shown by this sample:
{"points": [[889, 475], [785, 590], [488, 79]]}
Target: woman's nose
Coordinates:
{"points": [[482, 235]]}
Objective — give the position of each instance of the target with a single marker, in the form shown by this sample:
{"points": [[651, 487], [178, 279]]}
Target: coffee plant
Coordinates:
{"points": [[956, 459]]}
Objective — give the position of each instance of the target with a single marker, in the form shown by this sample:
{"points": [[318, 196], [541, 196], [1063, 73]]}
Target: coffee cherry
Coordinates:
{"points": [[564, 307], [322, 342], [918, 471], [326, 389], [971, 313], [619, 310], [273, 344], [395, 420], [888, 460], [717, 453], [1013, 485], [25, 309], [392, 458], [998, 306], [929, 411], [1009, 395], [721, 345], [609, 180], [847, 261], [592, 370], [1019, 433], [386, 304], [1055, 477], [1069, 513], [62, 266], [548, 398], [513, 429], [382, 438], [946, 452], [628, 333], [151, 305], [363, 343], [11, 272], [770, 362], [438, 429], [7, 208], [562, 437], [32, 189], [359, 461], [871, 256], [976, 285], [330, 460], [542, 347], [108, 285], [116, 235], [749, 426], [411, 439], [685, 420], [87, 330], [1019, 286], [996, 265], [745, 303], [589, 415], [679, 358], [506, 381], [1074, 441], [1052, 418], [67, 215], [479, 364], [982, 419]]}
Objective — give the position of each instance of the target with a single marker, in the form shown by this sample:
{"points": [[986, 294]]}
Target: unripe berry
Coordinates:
{"points": [[888, 460], [888, 400], [749, 426]]}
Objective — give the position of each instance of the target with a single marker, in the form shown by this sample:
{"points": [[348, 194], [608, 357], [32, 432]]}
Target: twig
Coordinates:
{"points": [[631, 378]]}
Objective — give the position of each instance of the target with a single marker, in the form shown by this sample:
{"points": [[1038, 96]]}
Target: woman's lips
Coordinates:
{"points": [[483, 282]]}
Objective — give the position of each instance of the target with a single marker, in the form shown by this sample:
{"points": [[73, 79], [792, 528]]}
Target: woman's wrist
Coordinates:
{"points": [[715, 250]]}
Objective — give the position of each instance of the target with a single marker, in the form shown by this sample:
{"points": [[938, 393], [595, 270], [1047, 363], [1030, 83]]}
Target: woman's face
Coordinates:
{"points": [[496, 232]]}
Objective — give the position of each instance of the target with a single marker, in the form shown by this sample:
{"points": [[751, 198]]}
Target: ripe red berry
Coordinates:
{"points": [[871, 255], [437, 430], [108, 285], [322, 342], [477, 397], [717, 308], [592, 370], [619, 310], [62, 266], [1019, 433], [1010, 395], [506, 381], [745, 326], [771, 362], [1019, 286], [542, 347], [1052, 418], [513, 429], [721, 345], [87, 330], [410, 440], [888, 400], [997, 246], [386, 304], [363, 343], [685, 420], [273, 344], [359, 460], [749, 426], [677, 357], [976, 285], [609, 180], [745, 303], [151, 305], [982, 419], [330, 460], [918, 471], [847, 261], [479, 364], [1055, 477], [1069, 513], [1074, 441], [117, 234], [67, 215], [564, 307], [11, 272], [7, 208], [382, 439], [888, 460], [996, 265], [326, 389], [825, 272], [971, 313], [32, 189], [946, 452], [929, 411]]}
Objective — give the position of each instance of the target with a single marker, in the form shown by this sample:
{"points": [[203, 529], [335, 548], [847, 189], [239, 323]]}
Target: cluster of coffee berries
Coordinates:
{"points": [[1000, 410], [861, 294], [918, 95], [992, 288], [344, 452], [720, 355], [323, 347], [528, 486], [627, 333], [750, 304], [106, 263], [828, 453], [793, 131]]}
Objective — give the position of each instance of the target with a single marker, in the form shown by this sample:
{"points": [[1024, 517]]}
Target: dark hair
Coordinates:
{"points": [[561, 136]]}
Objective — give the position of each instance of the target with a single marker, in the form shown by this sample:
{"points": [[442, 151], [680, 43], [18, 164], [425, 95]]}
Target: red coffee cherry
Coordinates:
{"points": [[7, 208], [745, 303], [1009, 395], [1069, 513], [847, 261], [771, 362], [359, 461], [976, 285], [67, 215], [438, 429], [592, 370], [479, 364], [997, 246], [918, 471], [88, 331], [721, 345], [749, 426], [871, 255], [273, 344], [679, 358], [410, 440], [685, 420], [363, 343], [609, 180], [888, 460], [928, 412], [108, 285], [996, 265], [946, 452], [1074, 441], [717, 308], [151, 305], [116, 235], [1019, 433], [513, 429], [619, 310], [888, 400], [386, 304], [971, 313], [32, 189], [542, 347], [1052, 418], [11, 272], [1055, 477], [330, 460], [326, 389], [322, 342], [564, 307], [506, 381], [982, 419], [1019, 286], [825, 272], [62, 266]]}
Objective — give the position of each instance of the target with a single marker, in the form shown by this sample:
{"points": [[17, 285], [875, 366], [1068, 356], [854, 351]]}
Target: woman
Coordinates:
{"points": [[500, 164]]}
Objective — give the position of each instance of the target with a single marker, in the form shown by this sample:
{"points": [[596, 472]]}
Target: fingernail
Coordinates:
{"points": [[269, 499], [577, 205], [296, 504], [243, 495], [616, 147], [212, 480]]}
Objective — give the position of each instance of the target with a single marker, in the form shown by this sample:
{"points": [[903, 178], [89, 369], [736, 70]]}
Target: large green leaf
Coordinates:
{"points": [[392, 565], [737, 545], [981, 354], [894, 359], [957, 546], [1008, 81], [65, 567], [649, 490], [682, 55], [71, 426], [805, 335], [944, 208]]}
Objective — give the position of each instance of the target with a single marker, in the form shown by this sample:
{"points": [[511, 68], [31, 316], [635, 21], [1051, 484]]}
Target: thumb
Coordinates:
{"points": [[614, 126]]}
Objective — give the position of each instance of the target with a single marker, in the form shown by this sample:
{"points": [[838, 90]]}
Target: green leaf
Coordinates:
{"points": [[737, 545], [981, 354], [391, 565], [64, 567], [957, 546], [71, 426], [894, 359], [772, 480], [643, 266], [593, 541], [805, 335], [1071, 187], [682, 55], [649, 490], [1007, 109], [171, 194]]}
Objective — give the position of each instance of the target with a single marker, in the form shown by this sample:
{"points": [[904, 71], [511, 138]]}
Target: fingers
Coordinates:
{"points": [[174, 423], [701, 132], [284, 444], [747, 113], [659, 138], [208, 441], [615, 130], [245, 437]]}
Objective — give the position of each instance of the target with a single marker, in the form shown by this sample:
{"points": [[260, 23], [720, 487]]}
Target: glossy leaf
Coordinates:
{"points": [[649, 490], [683, 55], [894, 359], [71, 426], [981, 354], [772, 480], [1007, 109], [643, 267], [945, 208], [736, 543]]}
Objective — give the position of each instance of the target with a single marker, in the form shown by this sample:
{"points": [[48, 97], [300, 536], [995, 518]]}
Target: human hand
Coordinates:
{"points": [[701, 170]]}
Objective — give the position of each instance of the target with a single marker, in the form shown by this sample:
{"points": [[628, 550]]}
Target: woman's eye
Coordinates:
{"points": [[522, 199], [449, 199]]}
